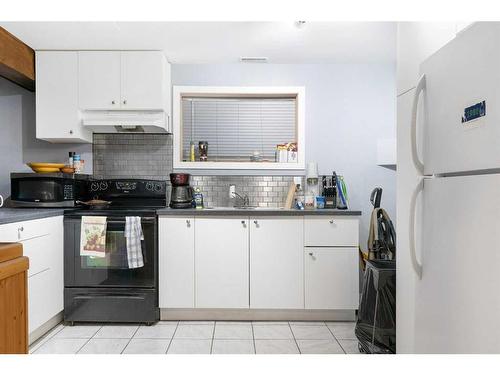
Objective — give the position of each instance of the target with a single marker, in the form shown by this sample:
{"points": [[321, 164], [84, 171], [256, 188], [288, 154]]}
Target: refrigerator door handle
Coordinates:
{"points": [[413, 133], [417, 267]]}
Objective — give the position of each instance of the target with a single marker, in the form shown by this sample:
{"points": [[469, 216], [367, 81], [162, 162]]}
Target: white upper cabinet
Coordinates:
{"points": [[124, 80], [99, 79], [142, 86], [57, 115]]}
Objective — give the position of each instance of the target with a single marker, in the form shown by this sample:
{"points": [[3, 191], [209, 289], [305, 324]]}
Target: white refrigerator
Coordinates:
{"points": [[454, 212]]}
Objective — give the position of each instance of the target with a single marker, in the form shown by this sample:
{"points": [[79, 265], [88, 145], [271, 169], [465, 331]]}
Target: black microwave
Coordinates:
{"points": [[47, 189]]}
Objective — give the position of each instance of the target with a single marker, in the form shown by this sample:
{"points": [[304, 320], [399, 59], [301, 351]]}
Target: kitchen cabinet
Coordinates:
{"points": [[221, 262], [123, 80], [331, 278], [176, 257], [57, 117], [258, 262], [42, 241], [276, 262], [99, 79], [331, 231]]}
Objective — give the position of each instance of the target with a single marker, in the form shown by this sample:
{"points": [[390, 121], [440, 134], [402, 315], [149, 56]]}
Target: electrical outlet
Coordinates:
{"points": [[232, 190]]}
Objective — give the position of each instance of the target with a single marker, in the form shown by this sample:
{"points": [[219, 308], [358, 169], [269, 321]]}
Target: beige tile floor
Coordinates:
{"points": [[205, 337]]}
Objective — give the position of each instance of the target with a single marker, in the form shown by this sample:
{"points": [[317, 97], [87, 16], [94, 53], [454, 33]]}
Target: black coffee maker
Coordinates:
{"points": [[181, 195]]}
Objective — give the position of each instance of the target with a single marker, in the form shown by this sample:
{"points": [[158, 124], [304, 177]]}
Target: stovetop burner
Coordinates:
{"points": [[128, 197]]}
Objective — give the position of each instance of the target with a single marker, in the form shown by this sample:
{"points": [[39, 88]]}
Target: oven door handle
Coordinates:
{"points": [[114, 296], [147, 220]]}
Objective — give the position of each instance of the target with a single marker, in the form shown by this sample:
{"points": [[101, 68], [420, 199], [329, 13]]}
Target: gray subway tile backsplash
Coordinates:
{"points": [[149, 156]]}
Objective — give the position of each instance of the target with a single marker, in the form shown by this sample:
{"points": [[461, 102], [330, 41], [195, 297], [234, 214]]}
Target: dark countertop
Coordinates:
{"points": [[229, 211], [13, 215]]}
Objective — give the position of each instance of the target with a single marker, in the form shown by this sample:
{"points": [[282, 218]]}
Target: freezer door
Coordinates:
{"points": [[462, 84], [457, 307]]}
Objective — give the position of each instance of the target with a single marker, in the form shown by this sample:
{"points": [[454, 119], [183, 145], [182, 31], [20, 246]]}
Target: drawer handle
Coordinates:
{"points": [[311, 254], [188, 223], [19, 230], [256, 223], [244, 223], [331, 221]]}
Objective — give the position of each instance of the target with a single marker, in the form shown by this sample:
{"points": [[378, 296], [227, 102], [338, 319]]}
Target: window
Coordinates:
{"points": [[241, 127]]}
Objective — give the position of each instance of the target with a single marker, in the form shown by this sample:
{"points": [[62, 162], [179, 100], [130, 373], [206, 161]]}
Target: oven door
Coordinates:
{"points": [[111, 270]]}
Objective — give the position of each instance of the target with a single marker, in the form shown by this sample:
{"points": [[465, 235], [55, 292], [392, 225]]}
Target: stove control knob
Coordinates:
{"points": [[103, 185], [94, 186], [157, 187], [149, 186]]}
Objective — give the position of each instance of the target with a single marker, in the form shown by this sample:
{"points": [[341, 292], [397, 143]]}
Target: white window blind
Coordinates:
{"points": [[236, 127]]}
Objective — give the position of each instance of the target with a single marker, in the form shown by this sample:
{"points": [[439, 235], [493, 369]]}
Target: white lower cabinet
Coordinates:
{"points": [[43, 244], [221, 262], [176, 244], [261, 262], [331, 278], [276, 262]]}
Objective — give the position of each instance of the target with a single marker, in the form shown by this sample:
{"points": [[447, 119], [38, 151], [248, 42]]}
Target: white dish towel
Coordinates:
{"points": [[134, 236]]}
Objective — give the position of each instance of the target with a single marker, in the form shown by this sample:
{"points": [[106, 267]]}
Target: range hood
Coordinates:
{"points": [[125, 121]]}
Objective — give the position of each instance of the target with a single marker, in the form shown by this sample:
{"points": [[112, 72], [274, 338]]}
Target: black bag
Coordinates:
{"points": [[376, 324]]}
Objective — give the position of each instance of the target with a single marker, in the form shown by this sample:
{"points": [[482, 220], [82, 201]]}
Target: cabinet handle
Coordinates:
{"points": [[311, 254], [71, 132], [331, 221], [243, 222], [188, 223], [124, 102], [112, 102], [19, 230], [256, 222]]}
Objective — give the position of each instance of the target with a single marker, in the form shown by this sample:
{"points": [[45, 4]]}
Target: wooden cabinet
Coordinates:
{"points": [[13, 300], [331, 278], [99, 79], [123, 80], [42, 241], [176, 254], [221, 262], [276, 262], [57, 116]]}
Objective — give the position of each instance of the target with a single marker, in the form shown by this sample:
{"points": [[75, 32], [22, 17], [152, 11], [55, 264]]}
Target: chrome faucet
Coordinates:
{"points": [[244, 198]]}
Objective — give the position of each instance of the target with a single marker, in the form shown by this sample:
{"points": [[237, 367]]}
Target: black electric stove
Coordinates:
{"points": [[106, 289]]}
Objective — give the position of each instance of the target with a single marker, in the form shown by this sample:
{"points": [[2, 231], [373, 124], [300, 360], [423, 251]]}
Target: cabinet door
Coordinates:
{"points": [[99, 79], [57, 117], [221, 262], [331, 278], [142, 80], [276, 263], [176, 254]]}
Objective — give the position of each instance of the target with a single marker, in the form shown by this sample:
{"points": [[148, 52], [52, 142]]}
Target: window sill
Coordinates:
{"points": [[239, 165]]}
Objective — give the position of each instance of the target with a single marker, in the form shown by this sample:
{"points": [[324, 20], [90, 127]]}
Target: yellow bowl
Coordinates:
{"points": [[46, 167]]}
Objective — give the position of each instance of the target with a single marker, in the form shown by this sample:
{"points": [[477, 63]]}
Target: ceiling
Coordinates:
{"points": [[222, 42]]}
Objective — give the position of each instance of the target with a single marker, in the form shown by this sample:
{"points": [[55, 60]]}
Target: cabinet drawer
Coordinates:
{"points": [[24, 230], [331, 231]]}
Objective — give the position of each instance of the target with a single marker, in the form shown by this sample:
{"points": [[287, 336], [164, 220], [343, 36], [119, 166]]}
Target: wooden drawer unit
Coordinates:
{"points": [[331, 231]]}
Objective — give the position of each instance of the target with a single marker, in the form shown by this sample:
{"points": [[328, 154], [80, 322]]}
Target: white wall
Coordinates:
{"points": [[18, 143], [348, 107]]}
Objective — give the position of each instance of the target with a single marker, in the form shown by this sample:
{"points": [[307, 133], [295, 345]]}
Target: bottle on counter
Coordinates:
{"points": [[70, 159], [77, 163], [198, 199]]}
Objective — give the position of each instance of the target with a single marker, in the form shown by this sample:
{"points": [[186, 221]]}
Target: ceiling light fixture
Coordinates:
{"points": [[253, 59]]}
